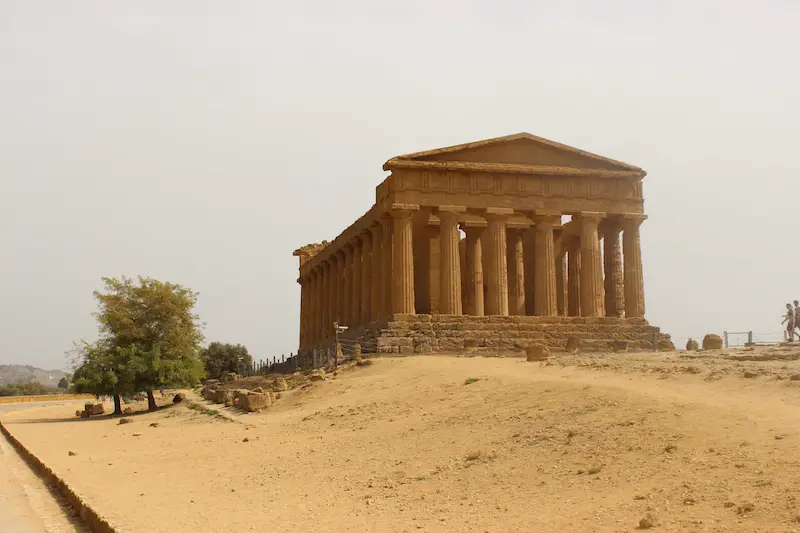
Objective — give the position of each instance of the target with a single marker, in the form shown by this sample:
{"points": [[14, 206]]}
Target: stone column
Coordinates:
{"points": [[303, 311], [387, 228], [516, 272], [634, 282], [612, 260], [324, 330], [450, 265], [561, 280], [366, 276], [355, 298], [474, 268], [403, 259], [573, 275], [312, 308], [338, 282], [376, 271], [545, 272], [591, 266], [331, 294], [347, 317], [496, 265]]}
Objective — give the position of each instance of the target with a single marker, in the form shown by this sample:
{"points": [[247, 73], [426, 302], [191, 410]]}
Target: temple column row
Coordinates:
{"points": [[372, 276]]}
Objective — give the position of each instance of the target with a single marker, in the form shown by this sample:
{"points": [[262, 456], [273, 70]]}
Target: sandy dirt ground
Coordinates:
{"points": [[26, 504], [584, 443]]}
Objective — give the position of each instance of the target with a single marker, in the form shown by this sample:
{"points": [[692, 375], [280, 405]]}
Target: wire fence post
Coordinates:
{"points": [[750, 338], [725, 335]]}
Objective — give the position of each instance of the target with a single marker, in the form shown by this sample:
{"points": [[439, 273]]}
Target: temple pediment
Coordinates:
{"points": [[512, 152]]}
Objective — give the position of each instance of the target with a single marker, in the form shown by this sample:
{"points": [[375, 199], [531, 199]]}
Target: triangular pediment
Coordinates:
{"points": [[521, 149]]}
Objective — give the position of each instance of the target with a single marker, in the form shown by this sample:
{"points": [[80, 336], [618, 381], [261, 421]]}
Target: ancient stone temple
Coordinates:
{"points": [[487, 246]]}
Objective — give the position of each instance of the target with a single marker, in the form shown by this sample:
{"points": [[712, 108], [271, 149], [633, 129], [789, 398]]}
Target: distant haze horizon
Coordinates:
{"points": [[202, 143]]}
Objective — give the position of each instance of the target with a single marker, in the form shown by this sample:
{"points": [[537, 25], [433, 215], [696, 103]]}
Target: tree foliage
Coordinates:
{"points": [[222, 357], [29, 388], [63, 383], [149, 337]]}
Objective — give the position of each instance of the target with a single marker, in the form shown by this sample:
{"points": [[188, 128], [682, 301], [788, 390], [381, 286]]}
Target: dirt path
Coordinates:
{"points": [[441, 444], [26, 504]]}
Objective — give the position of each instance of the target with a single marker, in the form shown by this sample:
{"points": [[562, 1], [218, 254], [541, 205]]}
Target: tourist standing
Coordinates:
{"points": [[789, 321]]}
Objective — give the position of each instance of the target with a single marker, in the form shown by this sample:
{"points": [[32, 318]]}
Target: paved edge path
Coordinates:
{"points": [[90, 517]]}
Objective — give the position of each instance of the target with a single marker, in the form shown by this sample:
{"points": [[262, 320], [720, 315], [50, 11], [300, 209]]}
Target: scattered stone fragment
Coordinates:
{"points": [[153, 424], [254, 402], [795, 377], [71, 453], [279, 385], [137, 434], [745, 508], [317, 375], [125, 421], [729, 504], [245, 439], [537, 352], [649, 521], [749, 374], [259, 390], [78, 413], [127, 411], [178, 398], [778, 437], [670, 448], [712, 342]]}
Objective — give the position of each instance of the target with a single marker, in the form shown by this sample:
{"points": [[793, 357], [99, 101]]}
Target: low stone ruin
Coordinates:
{"points": [[255, 402], [537, 352], [91, 409], [712, 342]]}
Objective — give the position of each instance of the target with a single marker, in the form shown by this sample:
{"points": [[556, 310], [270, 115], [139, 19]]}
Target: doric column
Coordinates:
{"points": [[347, 313], [331, 293], [612, 264], [473, 304], [376, 278], [324, 301], [355, 298], [303, 311], [516, 272], [496, 264], [573, 245], [403, 259], [338, 289], [545, 272], [366, 276], [312, 308], [634, 282], [591, 265], [450, 264], [561, 280], [387, 228]]}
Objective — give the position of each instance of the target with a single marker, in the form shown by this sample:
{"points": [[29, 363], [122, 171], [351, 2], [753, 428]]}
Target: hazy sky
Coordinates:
{"points": [[202, 142]]}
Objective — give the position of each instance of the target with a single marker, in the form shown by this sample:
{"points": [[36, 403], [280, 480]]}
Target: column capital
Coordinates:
{"points": [[450, 211], [546, 213], [403, 210], [546, 222], [591, 215], [632, 220], [497, 213], [473, 225]]}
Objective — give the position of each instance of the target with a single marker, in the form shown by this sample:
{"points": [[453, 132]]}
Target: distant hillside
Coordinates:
{"points": [[24, 373]]}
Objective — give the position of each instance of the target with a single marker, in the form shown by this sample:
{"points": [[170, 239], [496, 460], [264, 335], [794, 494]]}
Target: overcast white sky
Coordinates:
{"points": [[202, 142]]}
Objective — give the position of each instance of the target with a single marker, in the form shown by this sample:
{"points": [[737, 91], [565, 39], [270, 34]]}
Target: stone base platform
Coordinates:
{"points": [[508, 334]]}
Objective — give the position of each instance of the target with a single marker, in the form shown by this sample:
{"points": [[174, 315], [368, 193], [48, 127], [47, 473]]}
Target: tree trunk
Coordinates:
{"points": [[117, 405], [151, 401]]}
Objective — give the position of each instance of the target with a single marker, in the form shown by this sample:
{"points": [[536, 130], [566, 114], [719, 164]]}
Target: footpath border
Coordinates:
{"points": [[90, 517]]}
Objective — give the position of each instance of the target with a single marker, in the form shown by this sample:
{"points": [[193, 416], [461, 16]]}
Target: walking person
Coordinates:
{"points": [[797, 318], [788, 319]]}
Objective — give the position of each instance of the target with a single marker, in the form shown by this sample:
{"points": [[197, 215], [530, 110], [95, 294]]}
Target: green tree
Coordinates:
{"points": [[222, 357], [104, 370], [149, 338], [63, 383]]}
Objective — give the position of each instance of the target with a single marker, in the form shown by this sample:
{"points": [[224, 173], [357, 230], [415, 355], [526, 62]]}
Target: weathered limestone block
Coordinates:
{"points": [[620, 346], [230, 376], [279, 385], [255, 402], [573, 345], [93, 409], [665, 345], [537, 352], [179, 397], [220, 395], [692, 345], [317, 375], [712, 342]]}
